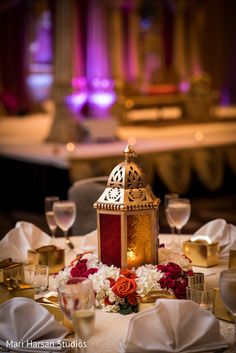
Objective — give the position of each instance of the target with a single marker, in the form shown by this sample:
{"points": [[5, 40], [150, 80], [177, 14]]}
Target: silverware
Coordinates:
{"points": [[69, 243]]}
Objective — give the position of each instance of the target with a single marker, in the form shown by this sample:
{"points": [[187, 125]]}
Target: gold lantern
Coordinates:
{"points": [[127, 217]]}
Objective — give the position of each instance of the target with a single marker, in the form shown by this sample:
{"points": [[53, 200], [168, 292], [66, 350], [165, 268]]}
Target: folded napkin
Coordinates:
{"points": [[173, 326], [23, 320], [90, 242], [25, 236], [220, 231]]}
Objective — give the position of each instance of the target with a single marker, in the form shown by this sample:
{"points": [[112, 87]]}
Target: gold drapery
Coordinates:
{"points": [[174, 168]]}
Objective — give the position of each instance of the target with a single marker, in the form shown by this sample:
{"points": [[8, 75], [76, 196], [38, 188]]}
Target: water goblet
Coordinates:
{"points": [[77, 301], [179, 212], [65, 213], [227, 284], [49, 201], [168, 197]]}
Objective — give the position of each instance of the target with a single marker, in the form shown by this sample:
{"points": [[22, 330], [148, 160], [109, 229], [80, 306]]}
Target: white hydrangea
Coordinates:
{"points": [[64, 274], [100, 278], [147, 280], [112, 308], [166, 255], [92, 260]]}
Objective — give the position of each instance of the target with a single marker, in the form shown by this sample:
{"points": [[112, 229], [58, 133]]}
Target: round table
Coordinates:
{"points": [[110, 328]]}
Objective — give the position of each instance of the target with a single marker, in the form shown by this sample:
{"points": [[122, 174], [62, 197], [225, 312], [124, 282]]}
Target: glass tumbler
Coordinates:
{"points": [[37, 276]]}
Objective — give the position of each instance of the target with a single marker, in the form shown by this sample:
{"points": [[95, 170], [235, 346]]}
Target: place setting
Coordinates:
{"points": [[119, 288]]}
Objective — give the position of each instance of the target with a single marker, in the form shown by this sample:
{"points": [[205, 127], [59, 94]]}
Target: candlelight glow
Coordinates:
{"points": [[199, 136], [131, 255], [132, 140], [70, 147]]}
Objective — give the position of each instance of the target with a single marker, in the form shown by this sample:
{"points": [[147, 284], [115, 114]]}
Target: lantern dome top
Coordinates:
{"points": [[127, 187]]}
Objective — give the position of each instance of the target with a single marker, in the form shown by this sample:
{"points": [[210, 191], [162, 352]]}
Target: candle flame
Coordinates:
{"points": [[131, 255]]}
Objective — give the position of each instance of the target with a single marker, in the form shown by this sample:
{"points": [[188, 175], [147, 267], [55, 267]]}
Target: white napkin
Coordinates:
{"points": [[22, 319], [25, 236], [173, 326], [220, 230], [90, 242]]}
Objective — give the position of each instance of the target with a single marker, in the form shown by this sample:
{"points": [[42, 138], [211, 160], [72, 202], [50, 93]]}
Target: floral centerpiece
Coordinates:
{"points": [[119, 290]]}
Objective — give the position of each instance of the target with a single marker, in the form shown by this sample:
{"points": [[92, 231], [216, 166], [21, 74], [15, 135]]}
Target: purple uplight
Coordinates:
{"points": [[184, 86], [41, 48], [105, 83], [39, 85], [79, 83], [101, 95], [101, 84], [76, 101], [102, 99]]}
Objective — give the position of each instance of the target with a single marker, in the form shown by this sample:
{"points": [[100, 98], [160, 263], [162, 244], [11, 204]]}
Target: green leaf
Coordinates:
{"points": [[126, 309]]}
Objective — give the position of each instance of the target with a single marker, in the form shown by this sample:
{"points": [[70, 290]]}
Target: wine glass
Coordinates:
{"points": [[227, 285], [77, 301], [49, 201], [169, 219], [179, 212], [65, 213]]}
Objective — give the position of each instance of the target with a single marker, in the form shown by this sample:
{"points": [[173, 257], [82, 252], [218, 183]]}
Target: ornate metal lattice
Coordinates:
{"points": [[127, 187]]}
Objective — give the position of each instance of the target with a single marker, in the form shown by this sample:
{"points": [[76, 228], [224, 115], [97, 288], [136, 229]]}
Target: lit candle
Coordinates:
{"points": [[133, 260]]}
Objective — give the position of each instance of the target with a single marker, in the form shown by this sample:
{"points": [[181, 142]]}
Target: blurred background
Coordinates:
{"points": [[79, 79]]}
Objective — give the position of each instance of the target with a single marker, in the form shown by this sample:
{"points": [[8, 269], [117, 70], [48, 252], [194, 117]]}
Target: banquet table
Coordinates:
{"points": [[110, 328]]}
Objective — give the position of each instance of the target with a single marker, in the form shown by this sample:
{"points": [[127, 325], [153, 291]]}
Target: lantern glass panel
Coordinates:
{"points": [[110, 239], [140, 240]]}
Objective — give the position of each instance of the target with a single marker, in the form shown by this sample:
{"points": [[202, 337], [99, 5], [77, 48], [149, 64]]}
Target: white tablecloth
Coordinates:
{"points": [[111, 327]]}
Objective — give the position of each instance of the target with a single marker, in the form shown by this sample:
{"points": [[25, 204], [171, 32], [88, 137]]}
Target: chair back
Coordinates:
{"points": [[84, 193]]}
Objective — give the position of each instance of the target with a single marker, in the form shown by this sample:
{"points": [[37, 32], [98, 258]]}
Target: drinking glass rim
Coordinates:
{"points": [[37, 267], [179, 199], [51, 198], [67, 202], [172, 195], [62, 283]]}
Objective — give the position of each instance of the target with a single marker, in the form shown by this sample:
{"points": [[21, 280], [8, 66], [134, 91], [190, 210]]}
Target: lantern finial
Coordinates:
{"points": [[129, 153]]}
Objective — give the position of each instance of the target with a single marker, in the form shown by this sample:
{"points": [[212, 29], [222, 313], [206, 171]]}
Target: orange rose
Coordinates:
{"points": [[127, 273], [124, 286]]}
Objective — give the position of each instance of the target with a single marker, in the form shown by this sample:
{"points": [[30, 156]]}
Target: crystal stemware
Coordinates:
{"points": [[65, 213], [227, 285], [77, 301], [179, 212], [49, 213], [169, 197]]}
